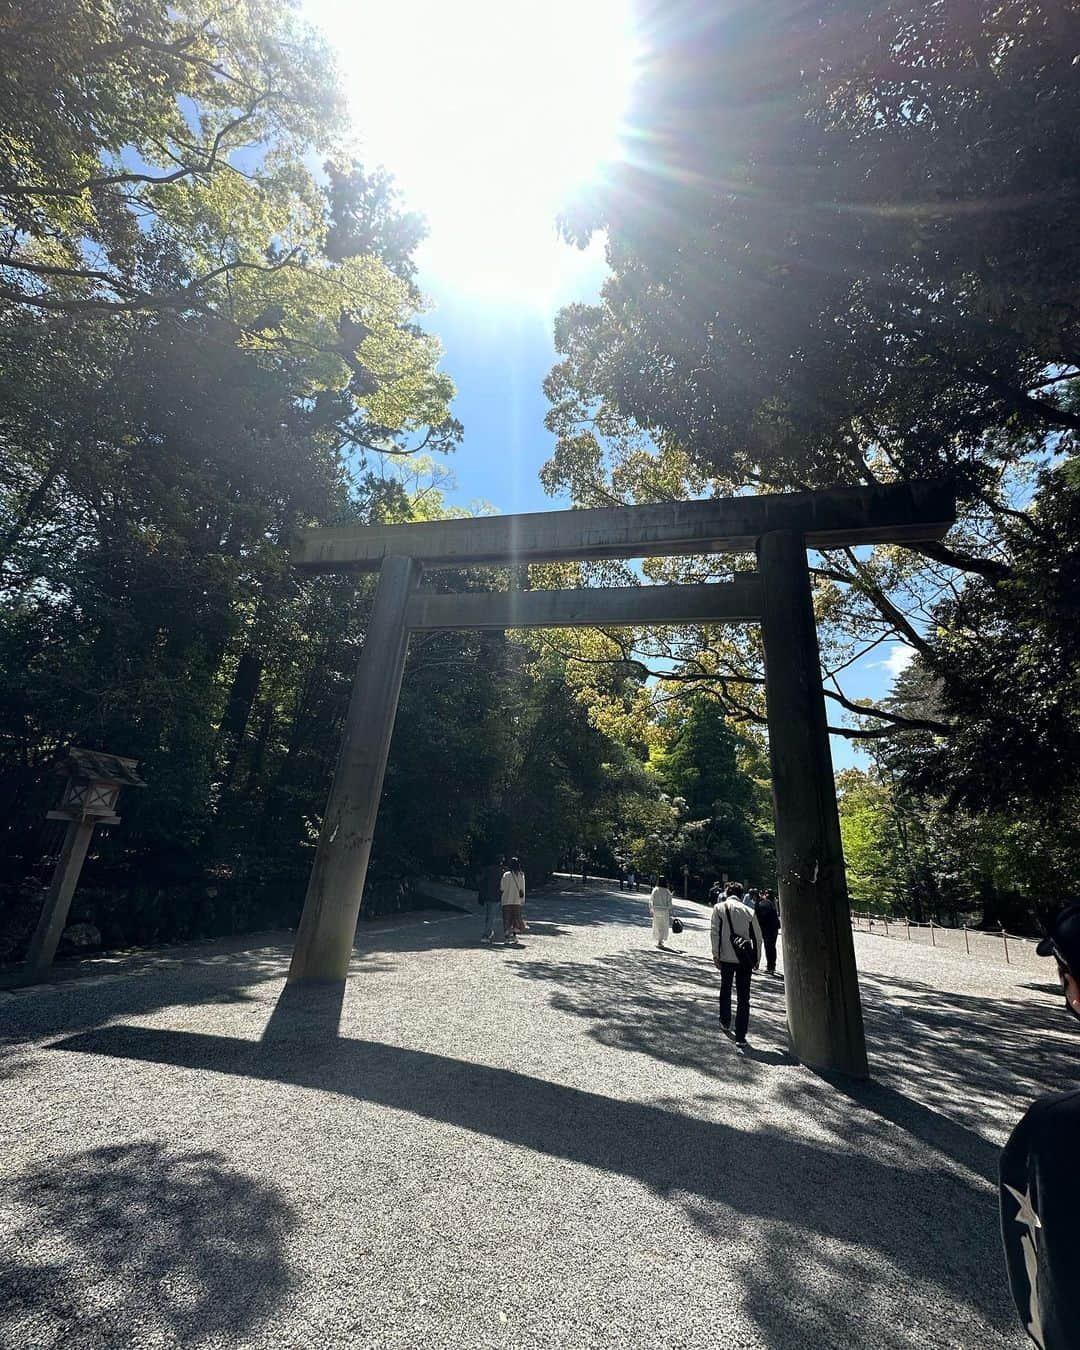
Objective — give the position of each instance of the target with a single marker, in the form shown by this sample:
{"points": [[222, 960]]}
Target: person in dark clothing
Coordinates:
{"points": [[768, 917], [489, 895], [1039, 1190]]}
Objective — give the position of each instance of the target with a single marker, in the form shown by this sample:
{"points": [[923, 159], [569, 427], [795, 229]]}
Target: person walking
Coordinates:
{"points": [[490, 897], [512, 897], [660, 909], [768, 917], [736, 947], [1039, 1184]]}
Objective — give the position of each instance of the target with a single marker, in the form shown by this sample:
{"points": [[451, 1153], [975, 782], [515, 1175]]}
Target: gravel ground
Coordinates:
{"points": [[543, 1147]]}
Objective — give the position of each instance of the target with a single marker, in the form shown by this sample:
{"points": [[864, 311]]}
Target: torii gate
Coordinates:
{"points": [[821, 986]]}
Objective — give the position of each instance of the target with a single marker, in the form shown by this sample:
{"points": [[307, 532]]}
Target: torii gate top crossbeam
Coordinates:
{"points": [[889, 513]]}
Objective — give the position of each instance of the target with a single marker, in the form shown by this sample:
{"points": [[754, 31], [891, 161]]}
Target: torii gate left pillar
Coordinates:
{"points": [[336, 887]]}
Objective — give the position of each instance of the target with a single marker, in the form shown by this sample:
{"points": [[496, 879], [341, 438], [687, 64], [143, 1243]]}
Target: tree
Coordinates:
{"points": [[710, 768], [841, 251], [1007, 660], [201, 348], [873, 844], [121, 120]]}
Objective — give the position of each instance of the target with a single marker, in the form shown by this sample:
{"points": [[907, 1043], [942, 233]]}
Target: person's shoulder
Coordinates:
{"points": [[1048, 1124], [1060, 1110]]}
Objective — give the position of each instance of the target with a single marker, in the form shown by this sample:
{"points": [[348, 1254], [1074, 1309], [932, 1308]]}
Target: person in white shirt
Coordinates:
{"points": [[733, 924], [660, 909], [512, 895]]}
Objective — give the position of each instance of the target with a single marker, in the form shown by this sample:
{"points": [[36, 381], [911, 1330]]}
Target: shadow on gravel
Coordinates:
{"points": [[876, 1209], [1053, 989], [948, 1067], [133, 1245], [131, 988], [192, 974], [308, 1012], [972, 1056]]}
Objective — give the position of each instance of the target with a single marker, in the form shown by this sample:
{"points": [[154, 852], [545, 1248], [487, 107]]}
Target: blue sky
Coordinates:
{"points": [[498, 357]]}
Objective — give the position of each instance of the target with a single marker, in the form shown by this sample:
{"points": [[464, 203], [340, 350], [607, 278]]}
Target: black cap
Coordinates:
{"points": [[1063, 940]]}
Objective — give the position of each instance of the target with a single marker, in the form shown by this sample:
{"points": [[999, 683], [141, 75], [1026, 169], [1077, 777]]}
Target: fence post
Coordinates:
{"points": [[1005, 940], [933, 940], [886, 925], [967, 944], [907, 928]]}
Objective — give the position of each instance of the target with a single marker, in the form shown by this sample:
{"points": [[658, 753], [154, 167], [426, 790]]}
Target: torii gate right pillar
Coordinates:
{"points": [[821, 985]]}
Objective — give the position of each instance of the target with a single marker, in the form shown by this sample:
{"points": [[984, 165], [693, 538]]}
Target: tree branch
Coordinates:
{"points": [[895, 719]]}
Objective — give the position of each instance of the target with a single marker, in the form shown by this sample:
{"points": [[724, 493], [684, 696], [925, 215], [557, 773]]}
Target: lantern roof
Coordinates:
{"points": [[100, 767]]}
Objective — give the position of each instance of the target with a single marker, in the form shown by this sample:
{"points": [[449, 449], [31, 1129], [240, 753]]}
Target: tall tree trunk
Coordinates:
{"points": [[242, 695]]}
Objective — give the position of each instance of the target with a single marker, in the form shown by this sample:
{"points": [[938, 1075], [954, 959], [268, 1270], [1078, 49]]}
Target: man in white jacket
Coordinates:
{"points": [[731, 919]]}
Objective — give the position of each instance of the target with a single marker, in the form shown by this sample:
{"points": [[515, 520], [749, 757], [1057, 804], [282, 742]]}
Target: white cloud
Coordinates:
{"points": [[899, 658]]}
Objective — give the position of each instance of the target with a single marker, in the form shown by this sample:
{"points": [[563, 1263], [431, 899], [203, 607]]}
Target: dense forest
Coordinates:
{"points": [[211, 333]]}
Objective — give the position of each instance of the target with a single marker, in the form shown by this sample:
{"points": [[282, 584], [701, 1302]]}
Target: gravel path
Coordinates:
{"points": [[543, 1147]]}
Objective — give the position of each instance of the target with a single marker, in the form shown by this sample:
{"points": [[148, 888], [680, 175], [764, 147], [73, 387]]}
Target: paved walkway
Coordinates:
{"points": [[542, 1147]]}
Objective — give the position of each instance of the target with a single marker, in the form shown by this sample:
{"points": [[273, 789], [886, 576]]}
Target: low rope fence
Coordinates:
{"points": [[1009, 948]]}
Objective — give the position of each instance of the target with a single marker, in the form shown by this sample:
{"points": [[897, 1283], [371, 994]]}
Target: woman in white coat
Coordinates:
{"points": [[660, 909]]}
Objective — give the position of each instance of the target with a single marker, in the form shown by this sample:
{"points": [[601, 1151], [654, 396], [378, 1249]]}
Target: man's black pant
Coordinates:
{"points": [[741, 975], [769, 939]]}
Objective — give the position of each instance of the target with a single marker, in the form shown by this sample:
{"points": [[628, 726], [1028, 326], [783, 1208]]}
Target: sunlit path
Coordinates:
{"points": [[549, 1146]]}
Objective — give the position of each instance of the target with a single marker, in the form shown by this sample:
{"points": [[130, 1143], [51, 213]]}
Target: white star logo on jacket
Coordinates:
{"points": [[1026, 1215]]}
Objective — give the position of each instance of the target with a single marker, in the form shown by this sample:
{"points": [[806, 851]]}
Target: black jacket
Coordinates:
{"points": [[489, 889], [768, 916], [1040, 1220]]}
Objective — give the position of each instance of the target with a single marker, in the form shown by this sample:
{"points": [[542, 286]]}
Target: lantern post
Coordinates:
{"points": [[91, 790]]}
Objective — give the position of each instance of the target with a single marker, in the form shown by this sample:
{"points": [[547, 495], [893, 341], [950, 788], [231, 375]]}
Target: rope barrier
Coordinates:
{"points": [[980, 936]]}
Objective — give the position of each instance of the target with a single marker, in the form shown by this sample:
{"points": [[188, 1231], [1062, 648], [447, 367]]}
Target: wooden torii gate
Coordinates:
{"points": [[821, 986]]}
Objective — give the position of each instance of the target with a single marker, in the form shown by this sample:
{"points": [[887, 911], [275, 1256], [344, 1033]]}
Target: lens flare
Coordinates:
{"points": [[491, 115]]}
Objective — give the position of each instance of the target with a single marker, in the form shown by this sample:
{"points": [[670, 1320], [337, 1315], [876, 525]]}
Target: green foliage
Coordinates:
{"points": [[714, 775], [911, 851], [127, 142], [201, 348], [873, 845], [1007, 657]]}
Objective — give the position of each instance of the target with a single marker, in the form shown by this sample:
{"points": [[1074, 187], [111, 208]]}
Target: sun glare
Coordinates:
{"points": [[489, 113]]}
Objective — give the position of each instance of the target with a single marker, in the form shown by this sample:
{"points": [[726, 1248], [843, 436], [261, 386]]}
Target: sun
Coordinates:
{"points": [[490, 113]]}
